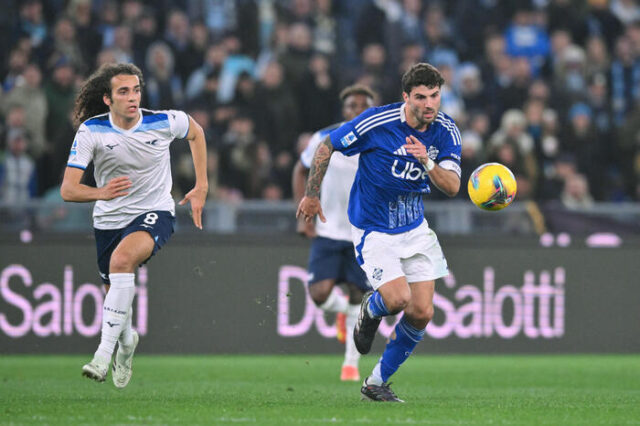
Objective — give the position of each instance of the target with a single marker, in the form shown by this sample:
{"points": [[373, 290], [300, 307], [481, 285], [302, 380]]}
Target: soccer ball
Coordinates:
{"points": [[492, 186]]}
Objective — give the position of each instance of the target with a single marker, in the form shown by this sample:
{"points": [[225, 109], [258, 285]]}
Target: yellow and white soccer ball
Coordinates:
{"points": [[492, 186]]}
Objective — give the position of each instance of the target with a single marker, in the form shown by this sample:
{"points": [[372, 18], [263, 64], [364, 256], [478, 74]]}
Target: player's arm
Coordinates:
{"points": [[447, 181], [298, 182], [309, 206], [73, 190], [198, 194]]}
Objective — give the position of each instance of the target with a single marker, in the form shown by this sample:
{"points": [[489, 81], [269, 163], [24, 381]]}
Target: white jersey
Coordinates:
{"points": [[141, 153], [335, 189]]}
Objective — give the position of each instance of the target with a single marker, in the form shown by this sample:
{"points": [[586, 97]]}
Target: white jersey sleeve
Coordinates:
{"points": [[178, 123], [307, 155], [82, 149]]}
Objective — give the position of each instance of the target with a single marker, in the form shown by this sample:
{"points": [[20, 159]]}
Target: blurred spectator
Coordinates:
{"points": [[123, 44], [86, 34], [31, 23], [575, 194], [470, 87], [234, 64], [109, 17], [60, 93], [295, 58], [570, 74], [625, 80], [472, 157], [627, 11], [144, 35], [581, 140], [525, 38], [163, 88], [512, 146], [65, 45], [279, 121], [177, 35], [317, 94], [600, 21], [598, 61], [219, 16], [325, 28], [18, 60], [18, 176], [29, 95], [555, 176], [244, 159], [213, 62]]}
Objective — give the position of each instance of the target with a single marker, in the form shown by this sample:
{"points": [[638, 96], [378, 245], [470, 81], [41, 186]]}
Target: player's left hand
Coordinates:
{"points": [[196, 197], [416, 148]]}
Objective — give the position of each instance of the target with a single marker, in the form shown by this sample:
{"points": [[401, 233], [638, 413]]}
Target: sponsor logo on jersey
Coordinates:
{"points": [[411, 171], [348, 139], [111, 146], [153, 142]]}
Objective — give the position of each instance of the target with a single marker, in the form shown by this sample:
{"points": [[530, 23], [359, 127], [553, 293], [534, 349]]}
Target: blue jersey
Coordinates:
{"points": [[386, 195]]}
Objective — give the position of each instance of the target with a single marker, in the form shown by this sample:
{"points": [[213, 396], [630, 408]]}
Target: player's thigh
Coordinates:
{"points": [[325, 260], [423, 258], [132, 250], [106, 242], [143, 237], [320, 290], [378, 256]]}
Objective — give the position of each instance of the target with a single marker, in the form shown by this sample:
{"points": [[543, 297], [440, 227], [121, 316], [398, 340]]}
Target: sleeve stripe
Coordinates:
{"points": [[453, 130], [375, 117], [76, 166], [379, 123]]}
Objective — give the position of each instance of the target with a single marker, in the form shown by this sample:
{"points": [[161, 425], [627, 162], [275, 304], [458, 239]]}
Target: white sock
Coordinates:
{"points": [[351, 354], [376, 377], [335, 302], [126, 337], [117, 303]]}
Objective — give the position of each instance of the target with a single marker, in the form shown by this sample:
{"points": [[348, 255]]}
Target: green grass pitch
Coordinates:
{"points": [[298, 389]]}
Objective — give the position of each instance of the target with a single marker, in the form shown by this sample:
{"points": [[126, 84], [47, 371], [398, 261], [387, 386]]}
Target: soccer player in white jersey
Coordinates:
{"points": [[134, 213], [332, 260], [403, 147]]}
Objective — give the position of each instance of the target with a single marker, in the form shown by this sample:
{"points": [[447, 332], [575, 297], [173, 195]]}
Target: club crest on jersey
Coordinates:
{"points": [[377, 274], [348, 139], [433, 152]]}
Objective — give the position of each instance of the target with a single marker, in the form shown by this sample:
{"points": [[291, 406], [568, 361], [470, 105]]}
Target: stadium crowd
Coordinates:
{"points": [[550, 88]]}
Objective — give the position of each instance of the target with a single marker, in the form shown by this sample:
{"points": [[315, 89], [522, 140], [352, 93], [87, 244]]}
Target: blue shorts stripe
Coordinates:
{"points": [[359, 248]]}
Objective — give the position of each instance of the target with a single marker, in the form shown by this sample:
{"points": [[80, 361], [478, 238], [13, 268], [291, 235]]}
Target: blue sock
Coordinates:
{"points": [[399, 349], [377, 308]]}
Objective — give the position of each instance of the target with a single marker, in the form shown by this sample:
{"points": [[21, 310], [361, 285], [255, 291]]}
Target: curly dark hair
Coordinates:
{"points": [[419, 75], [89, 101]]}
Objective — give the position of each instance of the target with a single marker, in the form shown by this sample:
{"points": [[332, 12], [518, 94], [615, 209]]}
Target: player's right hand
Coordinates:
{"points": [[116, 187], [308, 208], [306, 229]]}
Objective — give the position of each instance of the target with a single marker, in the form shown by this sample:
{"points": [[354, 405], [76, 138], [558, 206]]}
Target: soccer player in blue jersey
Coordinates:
{"points": [[332, 260], [404, 148], [134, 213]]}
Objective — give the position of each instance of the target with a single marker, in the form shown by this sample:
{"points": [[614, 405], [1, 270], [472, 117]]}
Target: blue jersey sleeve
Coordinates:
{"points": [[449, 145], [350, 138]]}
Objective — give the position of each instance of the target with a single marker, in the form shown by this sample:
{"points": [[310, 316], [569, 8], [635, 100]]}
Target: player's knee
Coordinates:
{"points": [[319, 293], [397, 302], [423, 314], [120, 262]]}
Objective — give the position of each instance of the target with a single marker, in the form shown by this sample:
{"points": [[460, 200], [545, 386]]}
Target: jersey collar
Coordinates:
{"points": [[403, 115], [131, 130]]}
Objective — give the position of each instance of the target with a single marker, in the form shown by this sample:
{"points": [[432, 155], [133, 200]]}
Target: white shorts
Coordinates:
{"points": [[415, 254]]}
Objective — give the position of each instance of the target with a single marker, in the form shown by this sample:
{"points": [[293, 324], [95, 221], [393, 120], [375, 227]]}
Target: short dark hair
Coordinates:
{"points": [[89, 101], [421, 74], [358, 89]]}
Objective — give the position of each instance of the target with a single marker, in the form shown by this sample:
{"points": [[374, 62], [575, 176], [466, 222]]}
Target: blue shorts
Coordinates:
{"points": [[333, 259], [159, 224]]}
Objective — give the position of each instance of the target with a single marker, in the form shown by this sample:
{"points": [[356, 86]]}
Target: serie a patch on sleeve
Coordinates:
{"points": [[348, 139]]}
